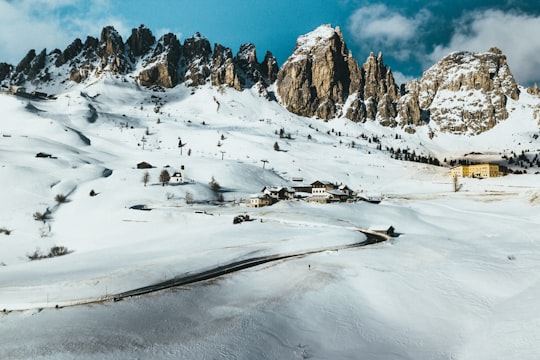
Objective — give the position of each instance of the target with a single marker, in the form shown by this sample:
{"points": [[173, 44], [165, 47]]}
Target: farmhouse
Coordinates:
{"points": [[260, 200], [476, 171], [278, 192], [144, 165]]}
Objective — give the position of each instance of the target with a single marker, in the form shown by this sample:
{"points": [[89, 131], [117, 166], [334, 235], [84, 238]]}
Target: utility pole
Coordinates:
{"points": [[143, 140], [222, 152], [264, 162]]}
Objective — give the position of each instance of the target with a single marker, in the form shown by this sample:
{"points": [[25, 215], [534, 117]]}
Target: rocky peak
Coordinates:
{"points": [[140, 41], [161, 67], [316, 78], [70, 52], [247, 63], [223, 68], [269, 67], [111, 51], [197, 58], [467, 92], [30, 66], [378, 79]]}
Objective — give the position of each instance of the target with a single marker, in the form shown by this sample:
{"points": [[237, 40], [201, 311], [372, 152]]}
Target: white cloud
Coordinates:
{"points": [[516, 34], [38, 24], [382, 28], [401, 78]]}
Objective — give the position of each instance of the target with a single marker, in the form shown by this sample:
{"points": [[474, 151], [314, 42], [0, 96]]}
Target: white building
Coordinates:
{"points": [[178, 176]]}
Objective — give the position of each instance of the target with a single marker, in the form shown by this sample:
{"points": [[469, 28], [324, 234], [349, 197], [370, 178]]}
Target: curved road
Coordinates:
{"points": [[372, 238]]}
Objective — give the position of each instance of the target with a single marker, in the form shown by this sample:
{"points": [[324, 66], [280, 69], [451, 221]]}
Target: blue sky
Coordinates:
{"points": [[412, 35]]}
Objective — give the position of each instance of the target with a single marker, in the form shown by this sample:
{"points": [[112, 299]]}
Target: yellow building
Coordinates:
{"points": [[476, 171]]}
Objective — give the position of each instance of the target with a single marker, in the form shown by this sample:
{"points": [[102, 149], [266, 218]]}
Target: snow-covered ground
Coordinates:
{"points": [[461, 281]]}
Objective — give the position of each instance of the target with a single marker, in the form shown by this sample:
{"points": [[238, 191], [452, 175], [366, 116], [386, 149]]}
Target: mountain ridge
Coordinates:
{"points": [[464, 93]]}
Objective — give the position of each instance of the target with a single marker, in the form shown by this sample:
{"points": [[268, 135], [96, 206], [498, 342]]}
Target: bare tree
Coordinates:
{"points": [[145, 178]]}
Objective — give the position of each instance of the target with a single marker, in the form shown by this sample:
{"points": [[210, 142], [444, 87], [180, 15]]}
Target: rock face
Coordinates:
{"points": [[322, 76], [163, 63], [161, 66], [463, 93], [82, 65], [224, 69], [467, 92], [316, 79], [140, 42], [111, 51]]}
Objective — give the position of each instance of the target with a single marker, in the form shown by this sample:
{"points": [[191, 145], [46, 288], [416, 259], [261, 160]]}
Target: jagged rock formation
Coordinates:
{"points": [[322, 76], [316, 79], [161, 66], [463, 93], [140, 42], [161, 63], [467, 92], [81, 63]]}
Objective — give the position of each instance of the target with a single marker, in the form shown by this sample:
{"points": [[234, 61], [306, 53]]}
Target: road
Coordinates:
{"points": [[372, 238]]}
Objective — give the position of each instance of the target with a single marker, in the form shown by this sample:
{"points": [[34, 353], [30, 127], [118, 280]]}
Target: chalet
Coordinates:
{"points": [[475, 171], [260, 200], [346, 190], [144, 165], [321, 187], [337, 195], [325, 192], [279, 193], [302, 188]]}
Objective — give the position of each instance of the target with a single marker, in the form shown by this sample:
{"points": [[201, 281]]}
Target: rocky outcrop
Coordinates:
{"points": [[82, 65], [111, 51], [197, 60], [140, 42], [316, 79], [161, 68], [248, 66], [224, 68], [269, 67], [322, 76], [70, 52], [378, 79], [467, 92], [30, 66]]}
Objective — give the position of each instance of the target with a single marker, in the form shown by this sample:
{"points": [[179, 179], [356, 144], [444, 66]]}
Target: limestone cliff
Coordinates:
{"points": [[467, 92]]}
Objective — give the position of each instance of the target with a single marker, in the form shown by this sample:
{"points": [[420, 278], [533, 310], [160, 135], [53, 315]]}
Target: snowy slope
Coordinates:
{"points": [[442, 289]]}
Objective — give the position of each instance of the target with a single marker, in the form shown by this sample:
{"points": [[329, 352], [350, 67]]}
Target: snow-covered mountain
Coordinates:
{"points": [[464, 93], [444, 288]]}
